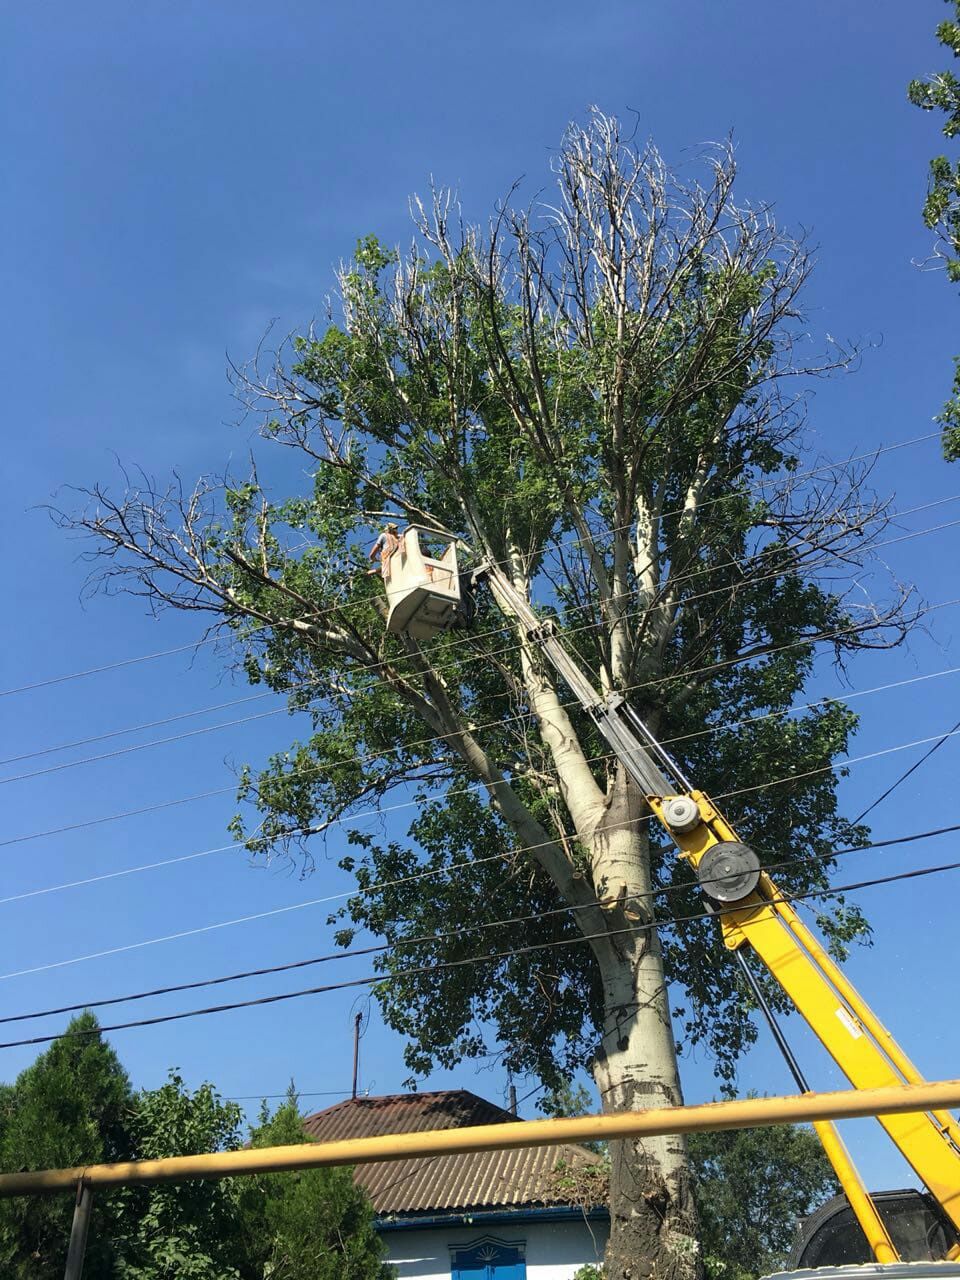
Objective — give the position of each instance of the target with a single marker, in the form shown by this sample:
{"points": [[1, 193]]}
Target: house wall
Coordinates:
{"points": [[553, 1250]]}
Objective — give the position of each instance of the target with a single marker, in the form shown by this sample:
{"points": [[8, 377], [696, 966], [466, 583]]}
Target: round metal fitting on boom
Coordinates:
{"points": [[728, 871], [681, 813]]}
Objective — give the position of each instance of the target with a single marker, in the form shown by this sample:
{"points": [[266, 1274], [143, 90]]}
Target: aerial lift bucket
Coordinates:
{"points": [[423, 584]]}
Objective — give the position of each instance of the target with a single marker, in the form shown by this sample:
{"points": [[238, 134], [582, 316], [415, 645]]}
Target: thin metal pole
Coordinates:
{"points": [[356, 1053], [864, 1210], [761, 999], [78, 1232]]}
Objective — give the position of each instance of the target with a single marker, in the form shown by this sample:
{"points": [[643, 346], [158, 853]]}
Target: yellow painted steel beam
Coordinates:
{"points": [[839, 1017], [744, 1113], [859, 1006], [865, 1211]]}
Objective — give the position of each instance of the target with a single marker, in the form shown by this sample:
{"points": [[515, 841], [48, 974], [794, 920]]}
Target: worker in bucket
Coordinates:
{"points": [[389, 541]]}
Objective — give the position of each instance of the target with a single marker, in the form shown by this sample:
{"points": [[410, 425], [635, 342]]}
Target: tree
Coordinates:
{"points": [[753, 1187], [941, 211], [568, 1099], [73, 1106], [316, 1224], [182, 1230], [594, 394]]}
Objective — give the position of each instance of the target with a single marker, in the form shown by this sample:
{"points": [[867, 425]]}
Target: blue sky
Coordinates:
{"points": [[176, 178]]}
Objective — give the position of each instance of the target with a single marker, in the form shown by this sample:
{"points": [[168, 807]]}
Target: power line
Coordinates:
{"points": [[333, 986], [300, 1093], [116, 817], [425, 939], [907, 772], [128, 871], [352, 818], [239, 844], [490, 958], [148, 657], [192, 856], [138, 746], [467, 640], [109, 666], [646, 684], [136, 728], [836, 764], [300, 906]]}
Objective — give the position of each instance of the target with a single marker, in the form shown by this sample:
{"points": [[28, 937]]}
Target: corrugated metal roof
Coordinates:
{"points": [[474, 1180]]}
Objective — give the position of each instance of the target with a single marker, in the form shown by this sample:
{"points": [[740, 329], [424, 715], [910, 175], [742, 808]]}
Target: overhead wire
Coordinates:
{"points": [[511, 648], [108, 666], [467, 640], [140, 746], [475, 926], [488, 958], [418, 876], [299, 1093], [437, 967], [907, 773], [316, 770], [295, 831], [940, 741], [794, 477], [136, 728], [115, 817]]}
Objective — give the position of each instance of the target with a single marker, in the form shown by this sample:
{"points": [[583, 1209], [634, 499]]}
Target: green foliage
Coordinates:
{"points": [[568, 1099], [752, 1188], [185, 1230], [622, 439], [941, 211], [73, 1106], [313, 1224]]}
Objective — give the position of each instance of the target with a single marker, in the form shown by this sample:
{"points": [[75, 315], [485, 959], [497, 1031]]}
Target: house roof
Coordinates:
{"points": [[475, 1180]]}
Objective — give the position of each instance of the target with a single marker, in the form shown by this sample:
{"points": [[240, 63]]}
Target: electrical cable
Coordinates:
{"points": [[296, 831], [360, 669], [123, 662], [646, 684], [300, 906], [837, 764], [352, 818], [300, 1093], [529, 1094], [136, 728], [424, 939], [907, 772], [109, 666], [116, 817], [138, 746], [490, 958], [334, 986], [132, 871]]}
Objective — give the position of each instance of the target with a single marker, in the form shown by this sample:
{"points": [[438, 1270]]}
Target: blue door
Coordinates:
{"points": [[489, 1260]]}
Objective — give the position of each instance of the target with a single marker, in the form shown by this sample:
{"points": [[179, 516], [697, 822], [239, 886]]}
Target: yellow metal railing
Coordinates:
{"points": [[744, 1113]]}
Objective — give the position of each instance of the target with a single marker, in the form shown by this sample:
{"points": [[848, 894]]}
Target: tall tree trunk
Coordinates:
{"points": [[652, 1216]]}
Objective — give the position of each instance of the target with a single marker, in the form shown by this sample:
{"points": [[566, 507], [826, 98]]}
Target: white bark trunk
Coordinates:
{"points": [[652, 1218]]}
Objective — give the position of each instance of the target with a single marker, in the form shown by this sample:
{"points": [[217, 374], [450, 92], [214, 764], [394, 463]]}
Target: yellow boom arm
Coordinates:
{"points": [[750, 910], [852, 1034]]}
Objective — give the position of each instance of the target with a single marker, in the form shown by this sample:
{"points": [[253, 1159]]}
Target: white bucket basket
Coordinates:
{"points": [[423, 584]]}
